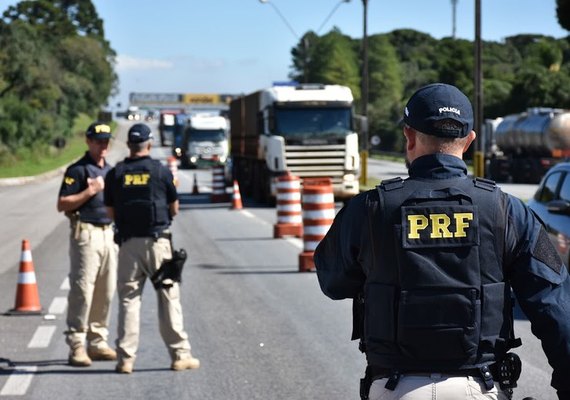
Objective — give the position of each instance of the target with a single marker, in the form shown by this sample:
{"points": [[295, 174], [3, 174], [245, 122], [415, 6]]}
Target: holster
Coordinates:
{"points": [[74, 223], [170, 271]]}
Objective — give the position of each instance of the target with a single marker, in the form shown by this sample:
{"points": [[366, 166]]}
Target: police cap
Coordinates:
{"points": [[437, 102]]}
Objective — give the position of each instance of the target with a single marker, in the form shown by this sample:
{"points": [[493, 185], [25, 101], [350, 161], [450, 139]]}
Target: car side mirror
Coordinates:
{"points": [[559, 207]]}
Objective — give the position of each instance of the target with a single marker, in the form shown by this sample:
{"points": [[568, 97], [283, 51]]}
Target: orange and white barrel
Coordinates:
{"points": [[289, 211], [318, 215], [218, 184]]}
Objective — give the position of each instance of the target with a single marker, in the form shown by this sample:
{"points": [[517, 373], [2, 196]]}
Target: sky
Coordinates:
{"points": [[239, 46]]}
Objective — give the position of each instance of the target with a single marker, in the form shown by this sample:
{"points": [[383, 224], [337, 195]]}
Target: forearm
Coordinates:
{"points": [[73, 202]]}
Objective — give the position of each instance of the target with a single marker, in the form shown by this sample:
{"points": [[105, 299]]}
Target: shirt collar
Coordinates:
{"points": [[438, 166]]}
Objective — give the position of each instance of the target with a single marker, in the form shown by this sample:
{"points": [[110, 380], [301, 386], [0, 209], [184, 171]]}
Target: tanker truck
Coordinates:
{"points": [[306, 130], [522, 147]]}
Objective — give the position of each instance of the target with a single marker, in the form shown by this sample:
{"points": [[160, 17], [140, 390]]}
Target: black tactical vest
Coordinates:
{"points": [[94, 210], [436, 298], [141, 207]]}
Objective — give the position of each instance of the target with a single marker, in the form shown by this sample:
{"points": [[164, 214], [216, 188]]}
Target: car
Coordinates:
{"points": [[551, 203]]}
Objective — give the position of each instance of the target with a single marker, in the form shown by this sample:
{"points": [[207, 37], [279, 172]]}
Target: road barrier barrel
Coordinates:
{"points": [[289, 211], [218, 184], [318, 215]]}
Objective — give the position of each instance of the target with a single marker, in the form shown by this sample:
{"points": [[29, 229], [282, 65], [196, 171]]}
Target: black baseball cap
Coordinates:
{"points": [[437, 102], [139, 133], [98, 130]]}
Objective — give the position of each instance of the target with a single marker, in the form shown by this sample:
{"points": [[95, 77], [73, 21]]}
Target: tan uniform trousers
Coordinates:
{"points": [[139, 258], [92, 281], [435, 386]]}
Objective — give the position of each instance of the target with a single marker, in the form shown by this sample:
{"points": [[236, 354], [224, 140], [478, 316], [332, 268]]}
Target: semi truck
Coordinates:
{"points": [[522, 147], [306, 130], [204, 140]]}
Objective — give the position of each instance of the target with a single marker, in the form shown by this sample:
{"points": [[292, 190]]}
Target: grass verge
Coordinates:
{"points": [[31, 163]]}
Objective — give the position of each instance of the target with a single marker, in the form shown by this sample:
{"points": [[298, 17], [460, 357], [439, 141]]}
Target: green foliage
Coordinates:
{"points": [[55, 64], [525, 70], [563, 13]]}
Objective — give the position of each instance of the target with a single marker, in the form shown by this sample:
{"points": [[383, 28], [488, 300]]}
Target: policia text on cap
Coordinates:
{"points": [[430, 261]]}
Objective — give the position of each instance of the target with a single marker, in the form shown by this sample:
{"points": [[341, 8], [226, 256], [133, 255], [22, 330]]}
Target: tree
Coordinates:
{"points": [[563, 13], [385, 91], [55, 63], [302, 56], [334, 61]]}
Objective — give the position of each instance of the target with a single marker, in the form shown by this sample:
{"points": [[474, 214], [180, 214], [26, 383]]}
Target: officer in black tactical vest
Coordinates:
{"points": [[430, 262], [92, 251], [141, 197]]}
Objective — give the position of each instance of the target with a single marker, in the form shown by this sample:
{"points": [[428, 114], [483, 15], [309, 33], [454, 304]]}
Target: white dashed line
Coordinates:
{"points": [[295, 242], [18, 381], [58, 305], [42, 337], [65, 284], [248, 214]]}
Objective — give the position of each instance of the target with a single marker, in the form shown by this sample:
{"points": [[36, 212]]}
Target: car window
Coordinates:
{"points": [[548, 191], [565, 188]]}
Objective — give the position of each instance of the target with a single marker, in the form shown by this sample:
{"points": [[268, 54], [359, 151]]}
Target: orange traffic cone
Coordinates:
{"points": [[195, 188], [27, 297], [236, 200]]}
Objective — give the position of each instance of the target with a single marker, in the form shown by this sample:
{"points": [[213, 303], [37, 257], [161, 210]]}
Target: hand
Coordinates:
{"points": [[95, 185]]}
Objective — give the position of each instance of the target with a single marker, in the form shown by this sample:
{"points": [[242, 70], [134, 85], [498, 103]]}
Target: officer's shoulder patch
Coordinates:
{"points": [[545, 252], [68, 180]]}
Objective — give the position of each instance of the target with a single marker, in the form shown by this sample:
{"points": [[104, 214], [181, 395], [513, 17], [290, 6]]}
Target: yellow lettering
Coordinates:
{"points": [[128, 179], [440, 223], [417, 223], [137, 179], [461, 223]]}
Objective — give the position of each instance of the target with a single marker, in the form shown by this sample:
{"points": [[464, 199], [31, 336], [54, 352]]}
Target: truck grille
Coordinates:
{"points": [[316, 161]]}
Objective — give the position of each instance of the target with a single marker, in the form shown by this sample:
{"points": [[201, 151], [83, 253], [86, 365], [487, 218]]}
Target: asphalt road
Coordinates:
{"points": [[260, 328]]}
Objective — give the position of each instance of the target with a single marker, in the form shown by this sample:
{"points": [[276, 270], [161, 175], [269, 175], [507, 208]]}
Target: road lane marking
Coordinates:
{"points": [[42, 337], [18, 381], [248, 214], [65, 284], [295, 242], [58, 305]]}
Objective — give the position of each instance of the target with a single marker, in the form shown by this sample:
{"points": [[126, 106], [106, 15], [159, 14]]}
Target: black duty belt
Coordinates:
{"points": [[381, 372]]}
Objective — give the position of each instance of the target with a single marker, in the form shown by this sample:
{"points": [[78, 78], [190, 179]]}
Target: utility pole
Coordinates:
{"points": [[478, 159], [364, 99], [453, 17]]}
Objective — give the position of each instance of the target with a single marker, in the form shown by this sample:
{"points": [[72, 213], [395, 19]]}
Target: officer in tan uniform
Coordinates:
{"points": [[92, 251], [141, 197]]}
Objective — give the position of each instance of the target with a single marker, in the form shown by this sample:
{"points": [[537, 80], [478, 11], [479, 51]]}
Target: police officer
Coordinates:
{"points": [[433, 258], [92, 251], [141, 197]]}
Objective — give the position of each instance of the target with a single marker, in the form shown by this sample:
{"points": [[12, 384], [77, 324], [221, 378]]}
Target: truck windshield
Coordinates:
{"points": [[206, 135], [322, 122]]}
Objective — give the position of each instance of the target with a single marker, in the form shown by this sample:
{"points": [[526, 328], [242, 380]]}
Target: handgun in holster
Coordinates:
{"points": [[170, 271], [74, 223]]}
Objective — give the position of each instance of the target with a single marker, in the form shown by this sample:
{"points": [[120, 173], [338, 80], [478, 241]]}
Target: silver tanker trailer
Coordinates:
{"points": [[524, 146]]}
